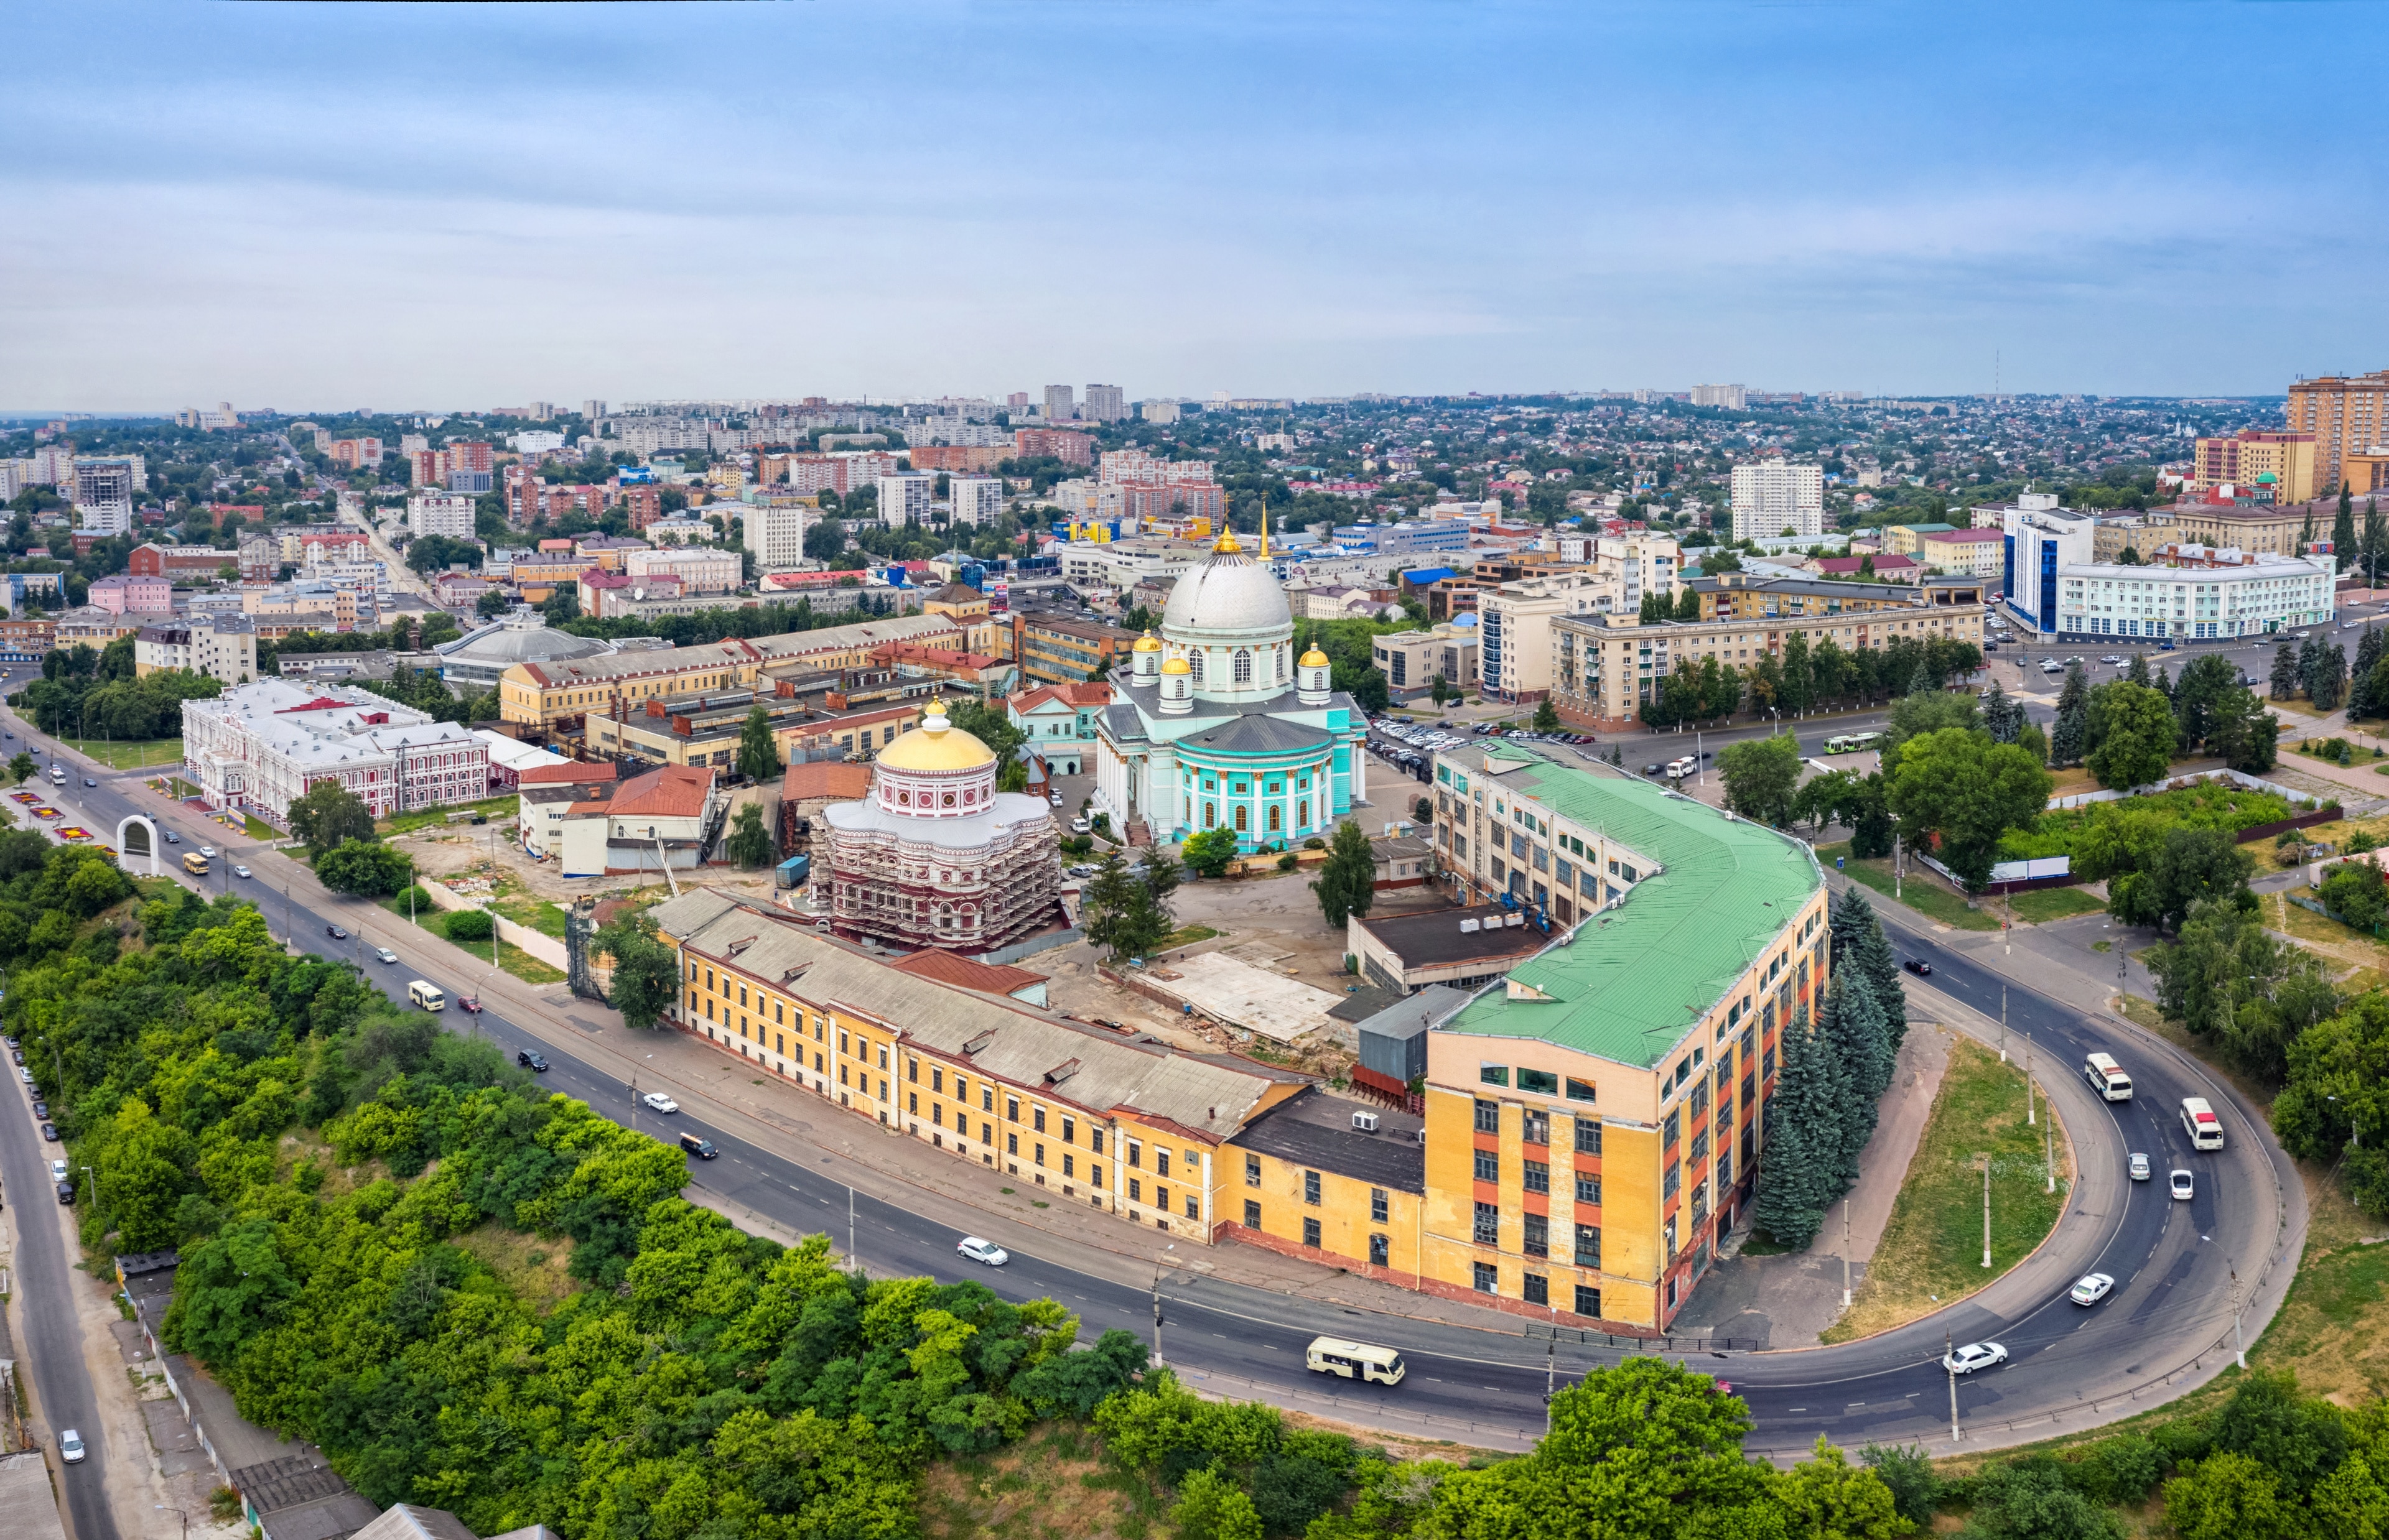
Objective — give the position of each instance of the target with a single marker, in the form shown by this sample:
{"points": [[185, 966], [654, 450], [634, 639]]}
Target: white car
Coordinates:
{"points": [[2181, 1184], [383, 954], [70, 1446], [208, 851], [1082, 826], [983, 1251], [659, 1102], [2092, 1288], [1975, 1356], [241, 871], [2140, 1168]]}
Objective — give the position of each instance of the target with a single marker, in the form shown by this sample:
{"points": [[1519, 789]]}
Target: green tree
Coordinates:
{"points": [[2285, 682], [492, 604], [1761, 777], [364, 869], [1547, 717], [1827, 1496], [2034, 742], [23, 767], [2138, 745], [2032, 1500], [2184, 867], [1796, 1179], [328, 815], [1688, 605], [1966, 791], [562, 606], [1208, 854], [1923, 711], [1109, 905], [758, 752], [1346, 884], [2343, 533], [647, 971], [1211, 1508], [991, 725], [1908, 1471], [749, 845], [469, 924]]}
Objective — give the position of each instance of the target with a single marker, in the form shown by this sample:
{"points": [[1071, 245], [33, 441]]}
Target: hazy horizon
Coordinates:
{"points": [[320, 207]]}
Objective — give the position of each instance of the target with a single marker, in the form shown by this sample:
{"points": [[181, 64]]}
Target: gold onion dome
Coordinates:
{"points": [[1176, 666], [1314, 659], [936, 744], [1148, 643]]}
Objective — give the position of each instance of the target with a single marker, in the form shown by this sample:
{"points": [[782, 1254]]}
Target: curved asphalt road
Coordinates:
{"points": [[2172, 1260]]}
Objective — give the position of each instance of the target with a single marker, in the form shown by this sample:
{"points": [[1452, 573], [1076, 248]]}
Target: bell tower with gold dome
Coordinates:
{"points": [[935, 856]]}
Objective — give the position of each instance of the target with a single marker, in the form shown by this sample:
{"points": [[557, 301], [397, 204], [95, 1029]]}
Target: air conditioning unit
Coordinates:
{"points": [[1365, 1122], [1514, 918], [1468, 927]]}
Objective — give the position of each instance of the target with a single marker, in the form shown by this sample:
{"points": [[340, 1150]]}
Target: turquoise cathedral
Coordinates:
{"points": [[1215, 724]]}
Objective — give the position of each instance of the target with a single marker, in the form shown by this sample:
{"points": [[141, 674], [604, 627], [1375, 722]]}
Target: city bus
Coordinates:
{"points": [[1853, 743], [195, 863], [427, 996]]}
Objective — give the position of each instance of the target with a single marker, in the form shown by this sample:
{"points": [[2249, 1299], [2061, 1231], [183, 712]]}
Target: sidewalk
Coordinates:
{"points": [[1789, 1300]]}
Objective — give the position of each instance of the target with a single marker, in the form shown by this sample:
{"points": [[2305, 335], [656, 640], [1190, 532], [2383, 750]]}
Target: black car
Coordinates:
{"points": [[89, 782], [336, 933], [1921, 968], [1653, 769], [701, 1148], [18, 1054], [66, 1192], [531, 1061], [50, 1132], [174, 838]]}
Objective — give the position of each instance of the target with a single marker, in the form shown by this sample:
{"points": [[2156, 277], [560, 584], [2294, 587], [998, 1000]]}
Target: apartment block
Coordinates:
{"points": [[1071, 448], [904, 497], [445, 514], [699, 571], [977, 500], [2193, 594], [222, 647], [1964, 553], [1592, 1127], [1413, 660], [1606, 667], [1059, 407], [1106, 403], [1773, 497], [776, 535], [2259, 457], [1514, 626], [1055, 651], [2346, 415]]}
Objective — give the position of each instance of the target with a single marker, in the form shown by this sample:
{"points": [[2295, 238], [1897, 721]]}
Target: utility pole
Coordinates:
{"points": [[1159, 1263], [2003, 1023], [852, 1259], [2238, 1350], [2027, 1080], [1982, 1159], [2049, 1150], [1950, 1365], [1899, 865], [1846, 1251]]}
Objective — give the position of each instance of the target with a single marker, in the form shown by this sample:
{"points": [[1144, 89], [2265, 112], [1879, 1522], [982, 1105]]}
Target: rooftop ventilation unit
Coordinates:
{"points": [[1468, 927], [1365, 1122]]}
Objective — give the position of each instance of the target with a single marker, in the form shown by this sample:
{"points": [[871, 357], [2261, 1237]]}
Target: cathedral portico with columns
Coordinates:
{"points": [[1218, 725]]}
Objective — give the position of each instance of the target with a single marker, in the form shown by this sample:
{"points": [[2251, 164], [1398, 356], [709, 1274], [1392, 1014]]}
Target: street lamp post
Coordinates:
{"points": [[1159, 1263], [1982, 1159], [1950, 1365], [168, 1507], [2028, 1112]]}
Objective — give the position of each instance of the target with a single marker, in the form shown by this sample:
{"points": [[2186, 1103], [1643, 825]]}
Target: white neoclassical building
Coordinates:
{"points": [[1217, 724], [259, 748]]}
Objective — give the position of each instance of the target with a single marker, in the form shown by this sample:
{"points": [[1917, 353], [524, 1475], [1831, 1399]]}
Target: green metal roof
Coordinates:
{"points": [[1636, 978]]}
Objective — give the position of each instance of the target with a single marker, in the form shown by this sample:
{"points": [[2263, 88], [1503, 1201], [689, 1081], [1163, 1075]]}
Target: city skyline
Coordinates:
{"points": [[311, 207]]}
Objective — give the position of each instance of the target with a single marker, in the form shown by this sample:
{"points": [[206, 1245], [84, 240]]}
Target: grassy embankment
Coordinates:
{"points": [[1932, 1249]]}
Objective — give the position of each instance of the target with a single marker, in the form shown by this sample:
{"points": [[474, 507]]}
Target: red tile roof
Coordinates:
{"points": [[669, 790], [828, 778], [569, 773], [965, 972]]}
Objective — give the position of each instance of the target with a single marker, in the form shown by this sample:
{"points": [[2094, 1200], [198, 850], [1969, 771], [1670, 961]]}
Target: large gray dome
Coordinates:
{"points": [[475, 662], [1230, 593]]}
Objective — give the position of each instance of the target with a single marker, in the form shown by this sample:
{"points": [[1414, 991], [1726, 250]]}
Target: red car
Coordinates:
{"points": [[470, 1003]]}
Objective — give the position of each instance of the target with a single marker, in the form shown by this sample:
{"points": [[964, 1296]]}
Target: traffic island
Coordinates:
{"points": [[1932, 1251]]}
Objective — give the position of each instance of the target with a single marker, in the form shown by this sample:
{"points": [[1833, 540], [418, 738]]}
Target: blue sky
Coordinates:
{"points": [[316, 207]]}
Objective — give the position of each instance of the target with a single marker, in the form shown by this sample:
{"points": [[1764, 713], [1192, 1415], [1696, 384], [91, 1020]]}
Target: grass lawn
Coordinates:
{"points": [[538, 914], [1054, 1482], [1933, 1245], [1186, 936], [125, 754], [1922, 891], [423, 817], [512, 958], [259, 829], [2054, 903]]}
